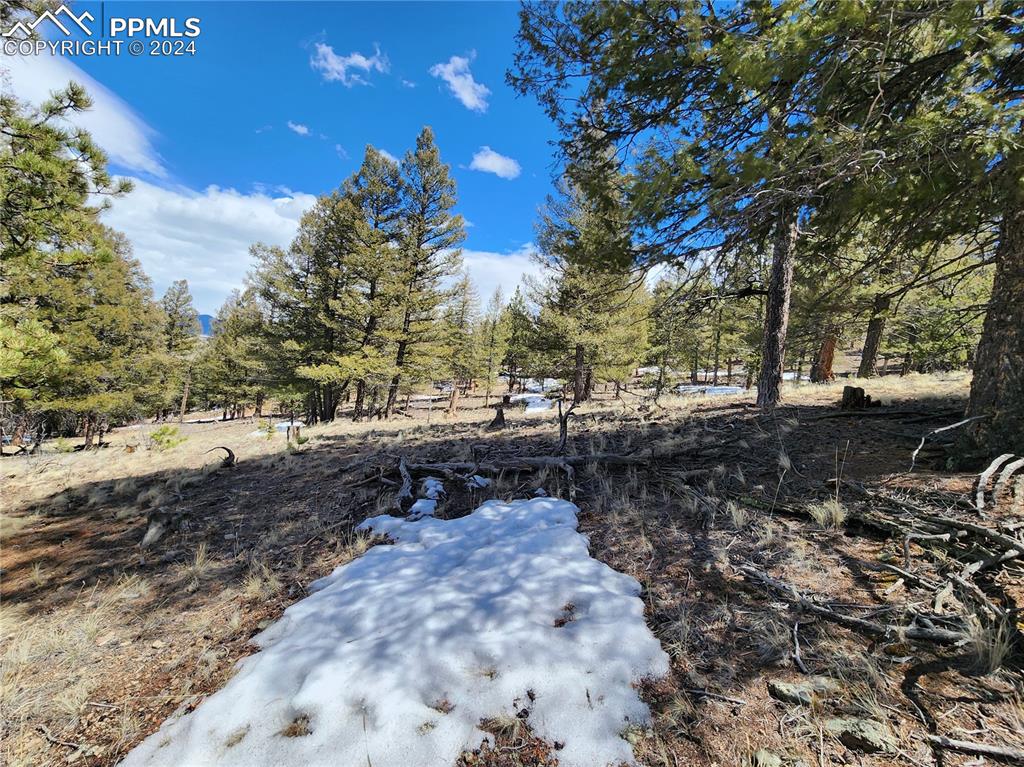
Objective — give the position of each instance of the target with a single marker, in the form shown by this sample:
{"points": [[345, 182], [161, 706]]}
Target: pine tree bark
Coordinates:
{"points": [[776, 313], [184, 399], [397, 378], [718, 347], [821, 370], [578, 382], [997, 390], [873, 340], [453, 400], [357, 409]]}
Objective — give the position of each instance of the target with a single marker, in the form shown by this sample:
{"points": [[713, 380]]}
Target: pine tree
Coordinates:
{"points": [[520, 324], [377, 191], [584, 330], [492, 338], [428, 255], [461, 354], [180, 339], [78, 305], [233, 371]]}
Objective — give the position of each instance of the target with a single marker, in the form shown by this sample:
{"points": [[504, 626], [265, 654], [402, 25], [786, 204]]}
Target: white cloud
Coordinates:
{"points": [[299, 128], [203, 237], [340, 68], [408, 83], [386, 153], [121, 133], [455, 72], [489, 161], [490, 270]]}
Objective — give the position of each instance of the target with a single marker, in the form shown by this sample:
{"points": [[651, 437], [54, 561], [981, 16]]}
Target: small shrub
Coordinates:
{"points": [[165, 438], [62, 445]]}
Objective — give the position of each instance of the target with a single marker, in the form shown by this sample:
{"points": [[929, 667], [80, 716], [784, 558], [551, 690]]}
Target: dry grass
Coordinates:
{"points": [[677, 538], [829, 514]]}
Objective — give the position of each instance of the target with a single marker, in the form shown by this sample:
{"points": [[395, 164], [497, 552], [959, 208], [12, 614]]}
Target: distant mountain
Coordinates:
{"points": [[206, 320]]}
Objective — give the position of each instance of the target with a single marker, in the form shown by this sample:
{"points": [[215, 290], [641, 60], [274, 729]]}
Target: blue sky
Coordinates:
{"points": [[278, 104]]}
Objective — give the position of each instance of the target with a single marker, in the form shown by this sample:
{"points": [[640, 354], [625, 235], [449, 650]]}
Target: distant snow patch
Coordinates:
{"points": [[396, 657], [710, 391], [535, 403]]}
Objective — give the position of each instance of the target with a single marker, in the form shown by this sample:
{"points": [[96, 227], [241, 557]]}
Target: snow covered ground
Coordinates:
{"points": [[535, 403], [396, 657], [708, 390]]}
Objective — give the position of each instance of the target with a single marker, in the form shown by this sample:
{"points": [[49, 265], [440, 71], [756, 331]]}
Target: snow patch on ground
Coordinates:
{"points": [[710, 391], [536, 387], [535, 403], [396, 657]]}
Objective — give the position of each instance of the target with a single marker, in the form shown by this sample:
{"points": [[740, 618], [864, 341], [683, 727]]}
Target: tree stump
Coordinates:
{"points": [[854, 398], [498, 422]]}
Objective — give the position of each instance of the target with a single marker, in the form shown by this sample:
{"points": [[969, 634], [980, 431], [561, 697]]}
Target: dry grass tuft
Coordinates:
{"points": [[260, 582], [991, 644], [830, 514]]}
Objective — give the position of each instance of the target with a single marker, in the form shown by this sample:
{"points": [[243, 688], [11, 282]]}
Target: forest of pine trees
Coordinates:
{"points": [[786, 187]]}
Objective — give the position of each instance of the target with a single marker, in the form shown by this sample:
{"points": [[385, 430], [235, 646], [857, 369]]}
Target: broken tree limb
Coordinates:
{"points": [[985, 476], [790, 593], [978, 749], [913, 457], [404, 499], [563, 426], [229, 460]]}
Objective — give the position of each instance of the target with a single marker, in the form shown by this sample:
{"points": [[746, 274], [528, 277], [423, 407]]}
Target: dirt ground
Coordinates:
{"points": [[103, 639]]}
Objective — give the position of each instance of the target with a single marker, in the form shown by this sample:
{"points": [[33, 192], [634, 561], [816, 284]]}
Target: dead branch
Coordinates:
{"points": [[229, 460], [913, 457], [789, 592], [563, 426], [404, 499], [978, 749]]}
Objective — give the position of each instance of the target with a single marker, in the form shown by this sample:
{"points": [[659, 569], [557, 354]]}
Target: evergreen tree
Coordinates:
{"points": [[517, 318], [70, 293], [493, 341], [461, 354], [180, 339], [428, 256]]}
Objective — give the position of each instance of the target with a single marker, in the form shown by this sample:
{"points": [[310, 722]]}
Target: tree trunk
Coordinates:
{"points": [[908, 355], [718, 347], [695, 365], [578, 382], [997, 389], [453, 401], [776, 313], [397, 378], [873, 340], [184, 399], [821, 370], [588, 384], [357, 410]]}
